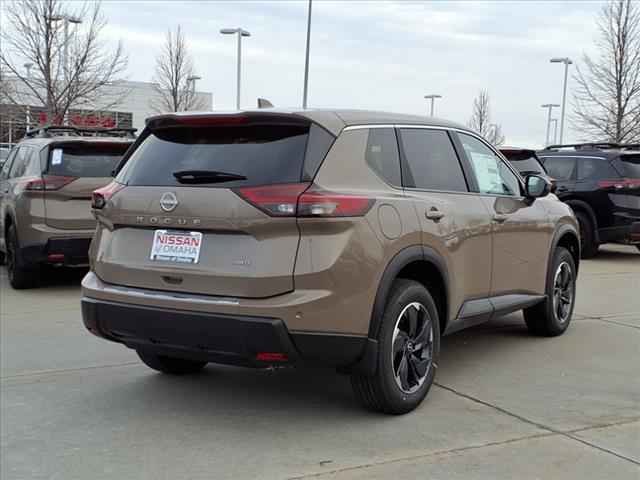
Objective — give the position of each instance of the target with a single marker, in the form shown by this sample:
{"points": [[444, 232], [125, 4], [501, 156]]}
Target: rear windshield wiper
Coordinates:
{"points": [[206, 176]]}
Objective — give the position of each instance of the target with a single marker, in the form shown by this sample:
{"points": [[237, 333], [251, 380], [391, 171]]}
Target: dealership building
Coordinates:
{"points": [[139, 100]]}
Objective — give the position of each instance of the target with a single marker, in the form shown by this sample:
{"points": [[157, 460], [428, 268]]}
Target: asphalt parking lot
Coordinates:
{"points": [[505, 404]]}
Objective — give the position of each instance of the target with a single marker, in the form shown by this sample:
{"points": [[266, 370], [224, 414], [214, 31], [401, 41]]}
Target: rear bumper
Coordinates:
{"points": [[70, 251], [218, 338], [621, 234]]}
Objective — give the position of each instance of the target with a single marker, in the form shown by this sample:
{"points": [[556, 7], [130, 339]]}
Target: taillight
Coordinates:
{"points": [[320, 203], [297, 200], [274, 200], [101, 196], [622, 184], [48, 182]]}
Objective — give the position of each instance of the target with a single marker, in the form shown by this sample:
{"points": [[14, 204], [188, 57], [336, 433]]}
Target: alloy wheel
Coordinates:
{"points": [[412, 347], [563, 292]]}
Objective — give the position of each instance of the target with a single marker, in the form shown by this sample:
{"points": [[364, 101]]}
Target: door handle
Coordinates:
{"points": [[500, 217], [434, 214]]}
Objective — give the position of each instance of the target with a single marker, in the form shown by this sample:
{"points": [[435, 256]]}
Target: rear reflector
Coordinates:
{"points": [[48, 182], [95, 331], [56, 256], [301, 200], [271, 357], [101, 196]]}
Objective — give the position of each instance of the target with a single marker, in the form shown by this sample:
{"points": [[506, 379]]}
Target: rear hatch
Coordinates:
{"points": [[187, 184], [74, 170]]}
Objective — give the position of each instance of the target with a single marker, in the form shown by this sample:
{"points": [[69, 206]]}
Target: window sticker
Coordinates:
{"points": [[56, 156], [486, 171]]}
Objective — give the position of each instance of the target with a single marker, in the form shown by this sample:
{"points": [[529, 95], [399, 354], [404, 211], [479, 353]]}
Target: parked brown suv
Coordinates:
{"points": [[350, 238], [45, 196]]}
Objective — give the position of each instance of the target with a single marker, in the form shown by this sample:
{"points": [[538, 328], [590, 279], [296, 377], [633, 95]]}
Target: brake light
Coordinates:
{"points": [[295, 200], [271, 356], [274, 200], [624, 183], [320, 203], [48, 182], [101, 196]]}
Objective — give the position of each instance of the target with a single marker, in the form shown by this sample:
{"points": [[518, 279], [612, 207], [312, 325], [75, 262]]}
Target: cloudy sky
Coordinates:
{"points": [[374, 54]]}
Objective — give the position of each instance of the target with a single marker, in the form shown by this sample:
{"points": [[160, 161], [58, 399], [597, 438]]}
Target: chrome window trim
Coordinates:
{"points": [[454, 129]]}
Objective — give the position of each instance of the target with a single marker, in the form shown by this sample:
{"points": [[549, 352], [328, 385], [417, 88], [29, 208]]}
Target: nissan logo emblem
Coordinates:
{"points": [[168, 201]]}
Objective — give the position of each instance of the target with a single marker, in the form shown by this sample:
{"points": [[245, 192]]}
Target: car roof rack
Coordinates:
{"points": [[596, 146], [53, 130]]}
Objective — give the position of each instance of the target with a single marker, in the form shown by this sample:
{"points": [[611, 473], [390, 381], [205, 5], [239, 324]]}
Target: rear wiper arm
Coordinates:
{"points": [[206, 176]]}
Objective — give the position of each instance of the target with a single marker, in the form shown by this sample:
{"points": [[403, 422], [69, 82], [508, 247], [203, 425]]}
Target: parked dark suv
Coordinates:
{"points": [[527, 162], [601, 183], [350, 238], [45, 196]]}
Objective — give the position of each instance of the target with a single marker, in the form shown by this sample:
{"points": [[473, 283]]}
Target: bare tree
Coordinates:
{"points": [[607, 93], [481, 120], [44, 68], [175, 76]]}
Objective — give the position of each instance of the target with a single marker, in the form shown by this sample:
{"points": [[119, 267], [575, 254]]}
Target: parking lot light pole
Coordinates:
{"points": [[567, 61], [28, 66], [550, 107], [306, 60], [241, 33], [432, 97], [555, 130]]}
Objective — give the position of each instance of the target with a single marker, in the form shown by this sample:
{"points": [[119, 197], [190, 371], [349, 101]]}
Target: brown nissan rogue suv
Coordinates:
{"points": [[45, 196], [351, 238]]}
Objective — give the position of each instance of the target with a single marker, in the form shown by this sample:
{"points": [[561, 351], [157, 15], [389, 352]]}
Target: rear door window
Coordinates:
{"points": [[561, 168], [594, 169], [85, 160], [382, 154], [430, 162], [262, 154]]}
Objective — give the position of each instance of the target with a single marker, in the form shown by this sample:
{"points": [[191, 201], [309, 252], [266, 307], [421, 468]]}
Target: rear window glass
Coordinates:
{"points": [[84, 160], [527, 165], [630, 166], [263, 154]]}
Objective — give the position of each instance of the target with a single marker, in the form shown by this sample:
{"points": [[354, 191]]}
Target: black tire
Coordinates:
{"points": [[588, 245], [552, 317], [2, 256], [21, 273], [171, 365], [382, 392]]}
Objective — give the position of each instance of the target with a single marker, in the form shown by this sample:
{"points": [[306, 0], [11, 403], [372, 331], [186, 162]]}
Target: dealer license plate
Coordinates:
{"points": [[176, 246]]}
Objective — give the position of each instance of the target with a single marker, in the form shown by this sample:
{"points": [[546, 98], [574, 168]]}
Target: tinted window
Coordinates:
{"points": [[561, 168], [492, 173], [382, 154], [84, 160], [527, 165], [595, 169], [318, 145], [264, 154], [7, 164], [430, 162], [19, 163], [629, 165]]}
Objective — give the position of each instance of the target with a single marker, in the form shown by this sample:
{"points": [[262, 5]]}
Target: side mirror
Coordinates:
{"points": [[536, 186]]}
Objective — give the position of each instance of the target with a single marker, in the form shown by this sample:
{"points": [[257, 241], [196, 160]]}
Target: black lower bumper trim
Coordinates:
{"points": [[69, 251], [227, 339], [622, 234]]}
